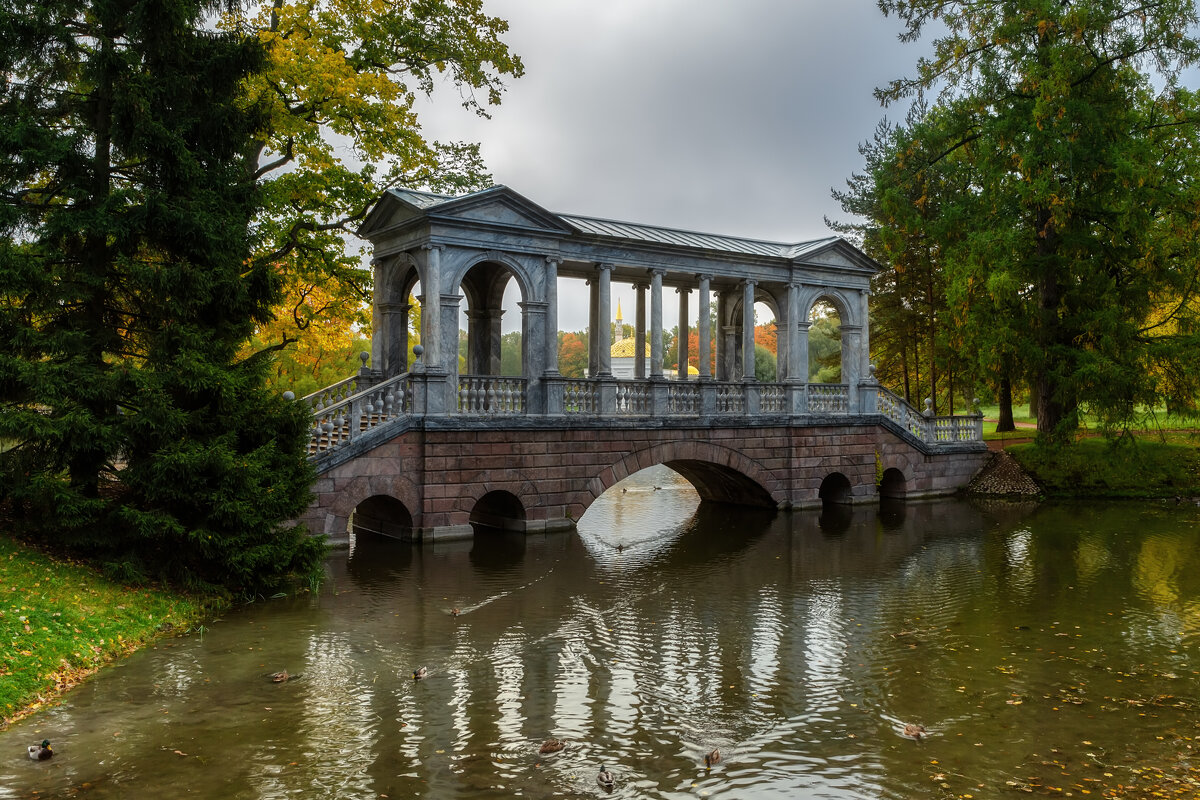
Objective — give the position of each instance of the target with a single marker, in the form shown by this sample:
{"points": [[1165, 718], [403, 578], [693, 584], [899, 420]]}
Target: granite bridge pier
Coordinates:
{"points": [[417, 445]]}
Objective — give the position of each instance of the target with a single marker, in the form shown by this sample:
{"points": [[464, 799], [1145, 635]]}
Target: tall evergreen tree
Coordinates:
{"points": [[126, 289], [1083, 186]]}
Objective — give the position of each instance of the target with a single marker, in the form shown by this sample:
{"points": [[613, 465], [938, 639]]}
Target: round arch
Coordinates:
{"points": [[719, 474], [498, 510], [835, 488], [892, 484], [382, 515]]}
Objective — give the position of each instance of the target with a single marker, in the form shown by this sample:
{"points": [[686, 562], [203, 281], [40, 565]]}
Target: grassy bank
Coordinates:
{"points": [[60, 621], [1149, 466]]}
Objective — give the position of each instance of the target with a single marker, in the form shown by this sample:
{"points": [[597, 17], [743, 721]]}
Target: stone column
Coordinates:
{"points": [[593, 327], [550, 291], [748, 330], [392, 338], [639, 331], [533, 354], [796, 371], [724, 356], [495, 332], [449, 338], [851, 364], [604, 311], [681, 347], [479, 350], [380, 330], [431, 310], [656, 324], [704, 326]]}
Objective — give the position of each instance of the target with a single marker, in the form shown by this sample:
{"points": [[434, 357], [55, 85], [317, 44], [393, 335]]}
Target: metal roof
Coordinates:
{"points": [[639, 232]]}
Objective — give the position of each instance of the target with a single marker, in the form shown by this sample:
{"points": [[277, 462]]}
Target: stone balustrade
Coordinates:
{"points": [[340, 414]]}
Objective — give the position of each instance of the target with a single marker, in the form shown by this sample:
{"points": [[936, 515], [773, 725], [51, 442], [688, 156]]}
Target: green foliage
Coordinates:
{"points": [[64, 620], [145, 441], [1051, 190], [355, 69], [825, 350], [764, 364], [1124, 467]]}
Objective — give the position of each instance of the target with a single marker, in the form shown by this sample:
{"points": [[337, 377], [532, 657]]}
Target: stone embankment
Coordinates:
{"points": [[1002, 475]]}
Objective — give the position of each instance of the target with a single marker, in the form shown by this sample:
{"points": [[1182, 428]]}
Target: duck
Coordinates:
{"points": [[713, 757], [605, 779], [280, 677], [552, 746], [454, 612], [419, 673], [914, 731], [40, 752]]}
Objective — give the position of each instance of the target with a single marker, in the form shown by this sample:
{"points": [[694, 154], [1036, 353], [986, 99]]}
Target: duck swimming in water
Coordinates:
{"points": [[914, 731], [605, 779], [419, 673], [552, 746], [40, 752], [713, 757]]}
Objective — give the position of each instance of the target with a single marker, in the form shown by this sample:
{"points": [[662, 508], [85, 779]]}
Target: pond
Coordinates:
{"points": [[1047, 649]]}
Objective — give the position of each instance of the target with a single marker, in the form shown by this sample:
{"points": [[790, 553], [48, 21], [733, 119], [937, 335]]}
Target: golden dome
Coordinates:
{"points": [[627, 348]]}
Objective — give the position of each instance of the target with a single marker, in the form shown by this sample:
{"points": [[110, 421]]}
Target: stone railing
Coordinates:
{"points": [[634, 399], [324, 398], [683, 398], [337, 423], [581, 397], [925, 426], [829, 398], [490, 395], [341, 412]]}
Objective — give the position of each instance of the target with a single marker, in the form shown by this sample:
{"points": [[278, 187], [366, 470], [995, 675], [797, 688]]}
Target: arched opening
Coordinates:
{"points": [[381, 515], [490, 326], [835, 489], [498, 511], [767, 368], [824, 343], [892, 484]]}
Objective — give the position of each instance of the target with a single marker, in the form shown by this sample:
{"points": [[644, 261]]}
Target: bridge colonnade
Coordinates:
{"points": [[426, 445]]}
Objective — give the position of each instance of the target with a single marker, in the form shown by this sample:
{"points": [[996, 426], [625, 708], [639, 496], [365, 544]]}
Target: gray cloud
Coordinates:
{"points": [[723, 117]]}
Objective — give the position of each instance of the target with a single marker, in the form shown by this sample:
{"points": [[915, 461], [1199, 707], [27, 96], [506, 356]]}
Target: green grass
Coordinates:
{"points": [[60, 621], [1150, 465]]}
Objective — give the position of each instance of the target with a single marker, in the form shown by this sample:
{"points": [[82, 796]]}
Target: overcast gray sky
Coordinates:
{"points": [[715, 116]]}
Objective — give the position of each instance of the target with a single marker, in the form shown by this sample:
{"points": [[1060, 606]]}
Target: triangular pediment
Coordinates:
{"points": [[500, 206], [497, 206], [839, 254]]}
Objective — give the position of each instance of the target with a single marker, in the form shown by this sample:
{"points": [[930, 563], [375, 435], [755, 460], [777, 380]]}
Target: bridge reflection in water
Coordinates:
{"points": [[799, 644]]}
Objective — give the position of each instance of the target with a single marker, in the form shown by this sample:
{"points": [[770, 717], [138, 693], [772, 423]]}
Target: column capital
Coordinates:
{"points": [[604, 266], [749, 282], [430, 246], [683, 290], [391, 308], [555, 260], [659, 271], [704, 276]]}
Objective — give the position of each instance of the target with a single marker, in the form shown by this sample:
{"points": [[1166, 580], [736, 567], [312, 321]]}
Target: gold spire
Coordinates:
{"points": [[618, 311]]}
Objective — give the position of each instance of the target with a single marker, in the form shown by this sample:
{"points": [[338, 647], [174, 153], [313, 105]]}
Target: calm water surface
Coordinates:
{"points": [[1051, 649]]}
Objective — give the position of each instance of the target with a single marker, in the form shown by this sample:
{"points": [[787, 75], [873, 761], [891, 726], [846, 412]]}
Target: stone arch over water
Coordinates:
{"points": [[836, 488], [718, 474], [498, 510], [893, 485], [382, 515]]}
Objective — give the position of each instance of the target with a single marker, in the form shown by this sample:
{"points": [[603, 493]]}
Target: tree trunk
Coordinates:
{"points": [[1033, 399], [1005, 423]]}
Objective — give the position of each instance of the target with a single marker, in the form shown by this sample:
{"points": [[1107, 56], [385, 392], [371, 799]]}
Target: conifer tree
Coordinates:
{"points": [[134, 433]]}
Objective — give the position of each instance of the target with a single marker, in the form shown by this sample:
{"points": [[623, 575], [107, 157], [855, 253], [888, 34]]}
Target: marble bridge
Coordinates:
{"points": [[413, 447]]}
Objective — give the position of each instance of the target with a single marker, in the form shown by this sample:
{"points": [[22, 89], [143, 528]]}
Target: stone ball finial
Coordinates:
{"points": [[418, 350], [364, 357], [289, 396]]}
